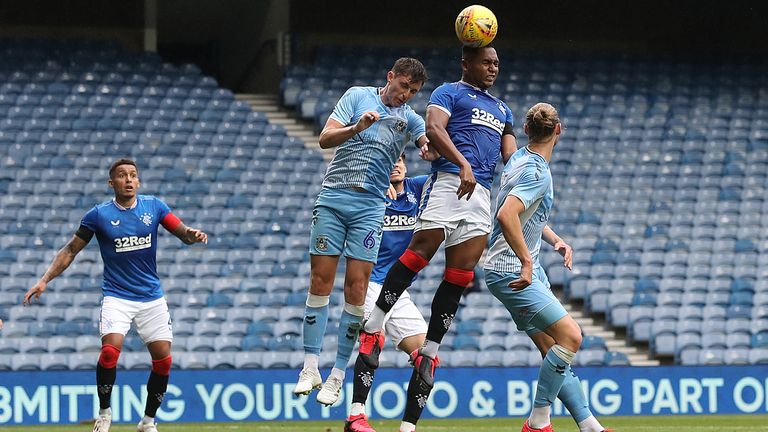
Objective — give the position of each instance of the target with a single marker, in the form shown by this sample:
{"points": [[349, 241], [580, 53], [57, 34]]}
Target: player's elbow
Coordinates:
{"points": [[325, 142]]}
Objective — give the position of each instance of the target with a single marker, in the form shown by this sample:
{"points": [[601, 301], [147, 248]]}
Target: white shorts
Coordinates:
{"points": [[153, 322], [402, 321], [461, 220]]}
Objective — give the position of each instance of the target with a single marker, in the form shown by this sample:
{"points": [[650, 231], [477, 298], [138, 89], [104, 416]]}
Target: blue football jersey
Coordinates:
{"points": [[128, 242], [476, 123], [526, 177], [399, 222], [366, 159]]}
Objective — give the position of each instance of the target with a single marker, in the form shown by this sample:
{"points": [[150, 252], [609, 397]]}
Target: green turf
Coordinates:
{"points": [[719, 423]]}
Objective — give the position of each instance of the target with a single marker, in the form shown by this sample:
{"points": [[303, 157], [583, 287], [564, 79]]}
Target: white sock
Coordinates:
{"points": [[430, 348], [375, 322], [338, 373], [106, 411], [407, 427], [311, 361], [148, 420], [590, 424], [539, 417], [356, 409]]}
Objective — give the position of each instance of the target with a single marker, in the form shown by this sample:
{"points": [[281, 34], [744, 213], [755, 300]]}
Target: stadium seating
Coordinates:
{"points": [[660, 183]]}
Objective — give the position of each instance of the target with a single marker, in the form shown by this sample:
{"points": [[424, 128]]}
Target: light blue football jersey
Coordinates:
{"points": [[476, 124], [526, 177], [366, 160], [128, 243]]}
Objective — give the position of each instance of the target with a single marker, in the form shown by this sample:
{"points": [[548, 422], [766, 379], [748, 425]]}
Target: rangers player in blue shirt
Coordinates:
{"points": [[404, 324], [126, 228], [515, 277], [471, 129], [370, 127]]}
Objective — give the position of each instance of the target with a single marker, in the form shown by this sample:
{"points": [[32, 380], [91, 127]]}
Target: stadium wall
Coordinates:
{"points": [[28, 398]]}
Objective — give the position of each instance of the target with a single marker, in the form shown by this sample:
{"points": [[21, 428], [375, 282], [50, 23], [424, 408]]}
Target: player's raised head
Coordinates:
{"points": [[479, 66], [541, 122], [122, 164], [404, 80], [411, 68]]}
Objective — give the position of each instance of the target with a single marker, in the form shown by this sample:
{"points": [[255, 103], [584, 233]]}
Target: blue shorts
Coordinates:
{"points": [[348, 221], [534, 308]]}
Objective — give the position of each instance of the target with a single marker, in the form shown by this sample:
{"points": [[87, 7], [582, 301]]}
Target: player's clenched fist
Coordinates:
{"points": [[366, 120]]}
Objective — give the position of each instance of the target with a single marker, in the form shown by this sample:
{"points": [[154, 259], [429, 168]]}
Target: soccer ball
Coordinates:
{"points": [[476, 26]]}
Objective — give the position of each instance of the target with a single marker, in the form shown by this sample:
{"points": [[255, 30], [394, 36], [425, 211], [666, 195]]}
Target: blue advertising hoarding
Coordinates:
{"points": [[253, 395]]}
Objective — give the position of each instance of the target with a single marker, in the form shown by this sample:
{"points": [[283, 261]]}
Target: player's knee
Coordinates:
{"points": [[162, 366], [320, 283], [109, 356], [458, 276], [414, 260]]}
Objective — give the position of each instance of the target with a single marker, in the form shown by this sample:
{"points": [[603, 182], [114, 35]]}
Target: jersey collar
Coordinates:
{"points": [[476, 88], [136, 201]]}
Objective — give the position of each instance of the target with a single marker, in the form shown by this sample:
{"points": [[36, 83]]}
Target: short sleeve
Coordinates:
{"points": [[510, 116], [162, 209], [531, 186], [418, 183], [91, 220], [442, 99], [345, 108], [416, 126]]}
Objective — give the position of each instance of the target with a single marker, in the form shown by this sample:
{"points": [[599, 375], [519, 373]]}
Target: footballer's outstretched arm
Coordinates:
{"points": [[61, 262], [188, 235]]}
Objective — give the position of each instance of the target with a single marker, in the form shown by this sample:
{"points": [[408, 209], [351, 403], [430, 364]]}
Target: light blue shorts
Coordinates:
{"points": [[534, 308], [348, 221]]}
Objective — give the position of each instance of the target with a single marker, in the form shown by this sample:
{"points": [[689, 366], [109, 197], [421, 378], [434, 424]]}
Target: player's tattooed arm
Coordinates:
{"points": [[61, 262], [189, 235]]}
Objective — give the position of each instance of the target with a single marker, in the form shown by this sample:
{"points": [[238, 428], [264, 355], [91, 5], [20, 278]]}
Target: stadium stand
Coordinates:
{"points": [[660, 182]]}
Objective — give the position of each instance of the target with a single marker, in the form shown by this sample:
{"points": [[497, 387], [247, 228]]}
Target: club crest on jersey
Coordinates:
{"points": [[502, 109], [321, 243], [400, 125], [411, 197], [147, 219]]}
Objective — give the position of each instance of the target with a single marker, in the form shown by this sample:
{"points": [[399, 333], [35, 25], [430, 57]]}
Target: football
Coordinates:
{"points": [[476, 26]]}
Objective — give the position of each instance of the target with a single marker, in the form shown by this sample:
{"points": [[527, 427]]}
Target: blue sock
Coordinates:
{"points": [[349, 327], [573, 397], [315, 322], [551, 376]]}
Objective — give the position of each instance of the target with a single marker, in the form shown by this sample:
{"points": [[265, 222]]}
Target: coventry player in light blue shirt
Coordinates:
{"points": [[515, 277], [369, 127]]}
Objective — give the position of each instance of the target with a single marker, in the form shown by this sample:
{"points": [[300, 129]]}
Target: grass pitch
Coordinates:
{"points": [[708, 423]]}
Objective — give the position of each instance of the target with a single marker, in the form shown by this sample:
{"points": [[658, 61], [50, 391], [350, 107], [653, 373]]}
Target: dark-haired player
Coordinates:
{"points": [[126, 228], [370, 126], [470, 128]]}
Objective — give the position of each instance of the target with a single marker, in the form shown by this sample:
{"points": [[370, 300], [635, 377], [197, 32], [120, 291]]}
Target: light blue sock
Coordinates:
{"points": [[551, 377], [573, 397], [315, 322], [349, 327]]}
